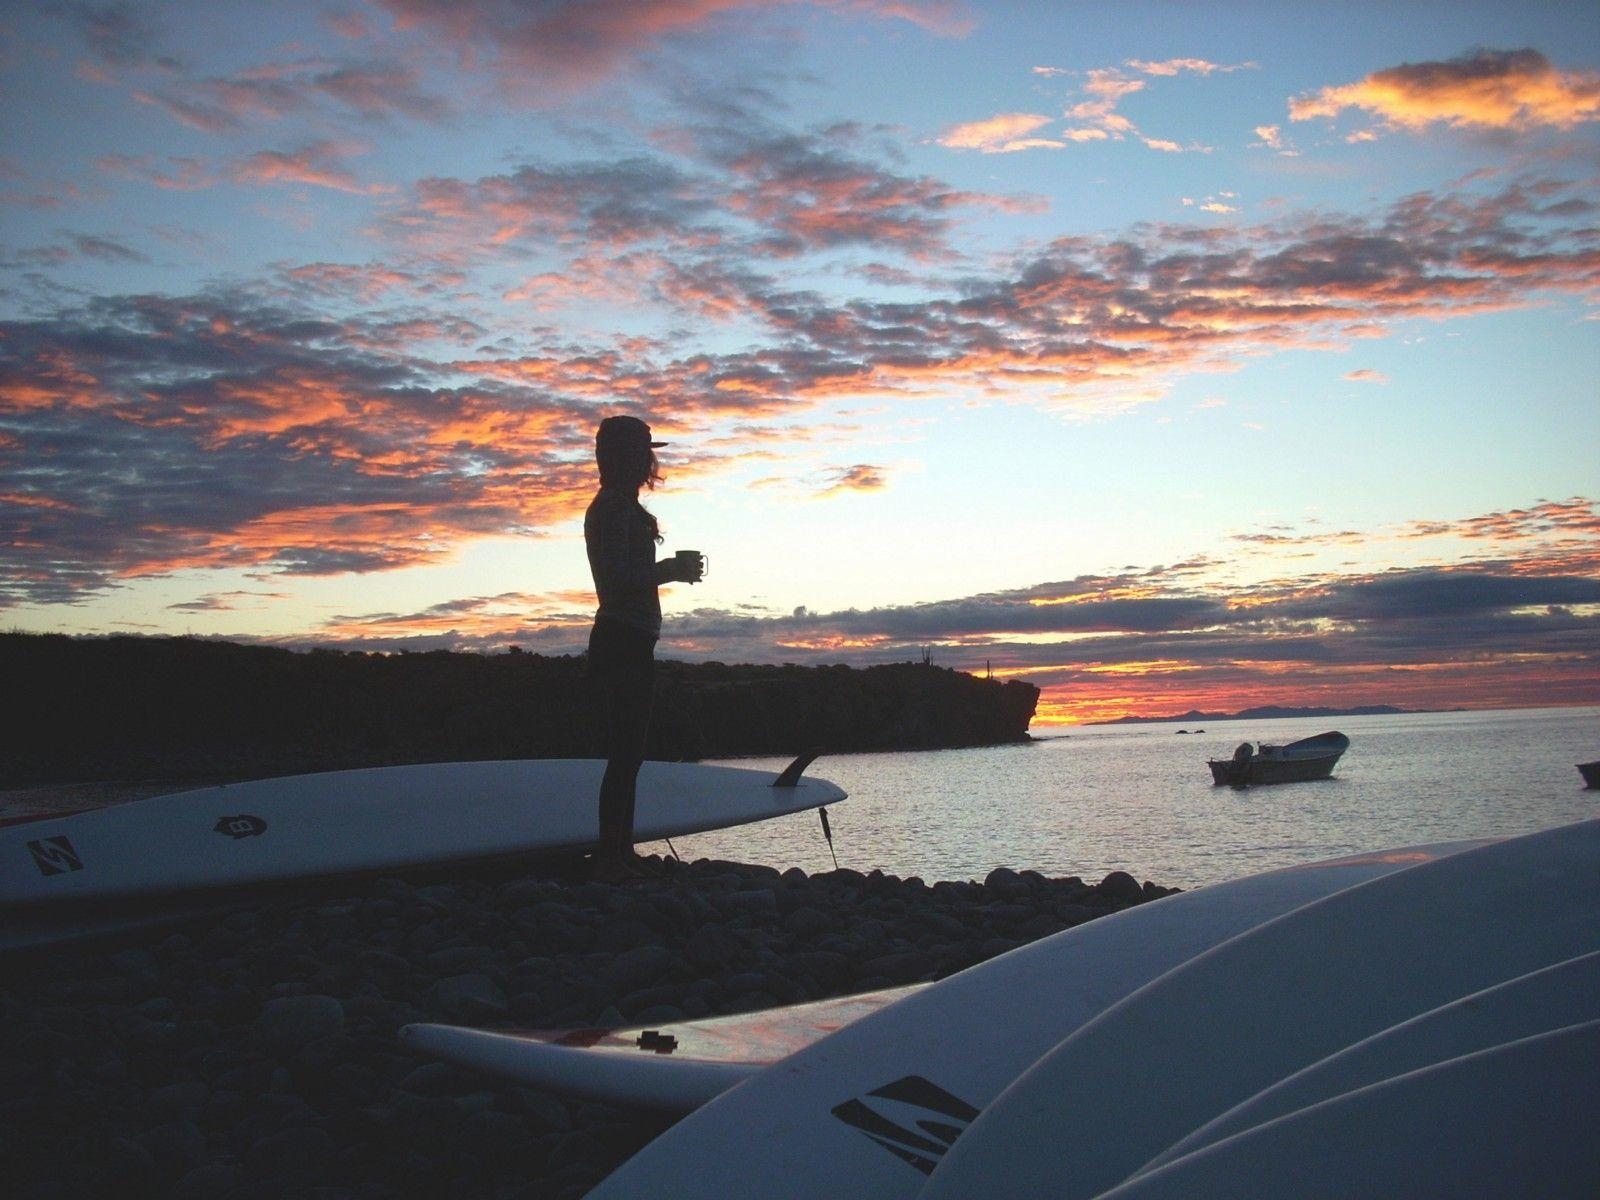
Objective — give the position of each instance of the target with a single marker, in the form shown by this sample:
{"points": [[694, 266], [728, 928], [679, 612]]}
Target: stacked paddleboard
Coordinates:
{"points": [[1262, 1067], [302, 826], [1415, 1022], [974, 1032]]}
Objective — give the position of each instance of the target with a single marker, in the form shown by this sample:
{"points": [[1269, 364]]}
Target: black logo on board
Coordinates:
{"points": [[924, 1139], [55, 856], [242, 826]]}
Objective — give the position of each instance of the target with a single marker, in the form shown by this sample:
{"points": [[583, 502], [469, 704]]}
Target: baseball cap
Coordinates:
{"points": [[622, 430]]}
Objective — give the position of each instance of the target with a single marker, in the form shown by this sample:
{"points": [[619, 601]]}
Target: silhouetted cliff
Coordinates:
{"points": [[186, 708]]}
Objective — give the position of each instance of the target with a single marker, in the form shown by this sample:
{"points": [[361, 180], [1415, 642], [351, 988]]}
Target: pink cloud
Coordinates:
{"points": [[315, 165], [175, 173]]}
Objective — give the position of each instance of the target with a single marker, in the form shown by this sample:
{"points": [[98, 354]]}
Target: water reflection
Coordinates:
{"points": [[1139, 799]]}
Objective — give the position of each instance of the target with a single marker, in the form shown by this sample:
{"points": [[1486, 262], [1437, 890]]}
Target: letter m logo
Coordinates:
{"points": [[929, 1120], [54, 856]]}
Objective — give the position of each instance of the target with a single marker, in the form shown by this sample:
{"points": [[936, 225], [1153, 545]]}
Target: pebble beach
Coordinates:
{"points": [[251, 1053]]}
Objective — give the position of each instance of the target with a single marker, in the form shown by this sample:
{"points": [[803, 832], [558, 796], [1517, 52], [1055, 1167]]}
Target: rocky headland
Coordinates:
{"points": [[251, 1053], [137, 708]]}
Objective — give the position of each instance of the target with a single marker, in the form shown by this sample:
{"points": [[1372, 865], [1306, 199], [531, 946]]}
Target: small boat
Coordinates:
{"points": [[1591, 773], [1309, 758]]}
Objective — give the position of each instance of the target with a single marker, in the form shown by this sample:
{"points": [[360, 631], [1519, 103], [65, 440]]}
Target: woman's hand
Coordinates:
{"points": [[686, 566]]}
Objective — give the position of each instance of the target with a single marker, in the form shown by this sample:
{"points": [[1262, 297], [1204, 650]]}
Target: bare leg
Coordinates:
{"points": [[628, 701]]}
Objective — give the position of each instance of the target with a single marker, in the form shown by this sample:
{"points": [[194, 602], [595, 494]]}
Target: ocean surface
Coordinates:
{"points": [[1139, 798]]}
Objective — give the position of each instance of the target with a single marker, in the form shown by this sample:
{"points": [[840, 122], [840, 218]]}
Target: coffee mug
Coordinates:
{"points": [[693, 559]]}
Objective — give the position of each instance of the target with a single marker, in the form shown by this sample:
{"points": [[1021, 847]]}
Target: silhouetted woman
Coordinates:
{"points": [[621, 537]]}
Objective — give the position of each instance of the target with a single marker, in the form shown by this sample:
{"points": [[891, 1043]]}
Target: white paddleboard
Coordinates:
{"points": [[868, 1111], [1506, 1123], [673, 1067], [374, 819], [1243, 1016], [1567, 993]]}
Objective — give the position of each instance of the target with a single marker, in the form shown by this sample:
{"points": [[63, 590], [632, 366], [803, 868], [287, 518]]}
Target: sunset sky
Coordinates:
{"points": [[1166, 355]]}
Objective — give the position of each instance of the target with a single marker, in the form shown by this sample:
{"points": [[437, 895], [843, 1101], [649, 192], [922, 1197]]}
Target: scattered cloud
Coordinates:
{"points": [[1487, 89], [1003, 134], [117, 34], [862, 477], [753, 192], [1365, 375], [1095, 119], [271, 92], [1272, 139], [316, 165], [1177, 66], [540, 52], [273, 428], [173, 173]]}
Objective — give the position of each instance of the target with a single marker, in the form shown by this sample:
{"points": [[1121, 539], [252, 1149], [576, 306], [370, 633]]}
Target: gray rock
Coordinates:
{"points": [[175, 1146], [806, 921], [459, 958], [136, 963], [297, 1154], [289, 1022], [434, 1079], [1005, 881], [131, 1163], [1121, 886], [185, 1098], [755, 900], [544, 1109], [208, 1182], [637, 968], [711, 947]]}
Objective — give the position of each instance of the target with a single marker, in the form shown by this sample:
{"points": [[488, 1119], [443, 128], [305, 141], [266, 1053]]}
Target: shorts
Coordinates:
{"points": [[619, 652]]}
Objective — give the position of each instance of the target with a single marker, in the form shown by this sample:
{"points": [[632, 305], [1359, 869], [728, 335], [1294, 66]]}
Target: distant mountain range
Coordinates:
{"points": [[1268, 712]]}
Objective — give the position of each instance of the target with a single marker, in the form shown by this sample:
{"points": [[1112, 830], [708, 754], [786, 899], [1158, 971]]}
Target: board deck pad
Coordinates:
{"points": [[866, 1112]]}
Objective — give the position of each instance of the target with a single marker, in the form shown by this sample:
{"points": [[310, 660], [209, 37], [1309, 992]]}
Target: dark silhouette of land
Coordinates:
{"points": [[131, 708], [1268, 712]]}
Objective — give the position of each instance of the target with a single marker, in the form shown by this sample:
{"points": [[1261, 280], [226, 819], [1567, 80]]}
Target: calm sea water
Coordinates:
{"points": [[1085, 801]]}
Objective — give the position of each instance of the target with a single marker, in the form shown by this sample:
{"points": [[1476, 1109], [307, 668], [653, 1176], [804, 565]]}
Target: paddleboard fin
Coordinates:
{"points": [[790, 775]]}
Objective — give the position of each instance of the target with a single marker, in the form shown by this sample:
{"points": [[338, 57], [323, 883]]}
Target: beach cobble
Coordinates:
{"points": [[252, 1054]]}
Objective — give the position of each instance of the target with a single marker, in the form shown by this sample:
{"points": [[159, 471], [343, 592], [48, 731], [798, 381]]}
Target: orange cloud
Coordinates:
{"points": [[1490, 89], [1002, 134], [862, 477]]}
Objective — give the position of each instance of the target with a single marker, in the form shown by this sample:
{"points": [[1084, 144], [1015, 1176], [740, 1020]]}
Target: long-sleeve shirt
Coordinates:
{"points": [[617, 533]]}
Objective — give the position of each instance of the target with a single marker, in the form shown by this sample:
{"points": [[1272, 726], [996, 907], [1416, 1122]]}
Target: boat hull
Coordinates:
{"points": [[1257, 771], [1298, 762]]}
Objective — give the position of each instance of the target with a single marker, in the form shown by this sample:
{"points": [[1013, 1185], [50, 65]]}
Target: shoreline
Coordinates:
{"points": [[156, 1063]]}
